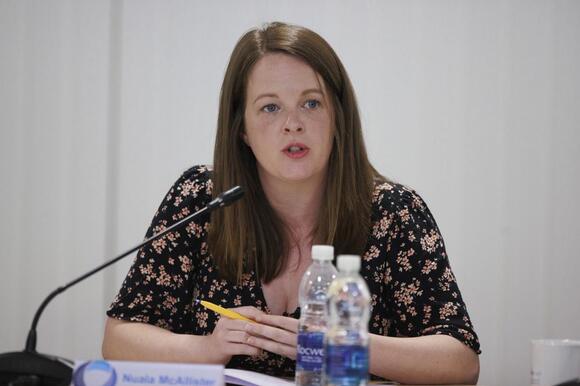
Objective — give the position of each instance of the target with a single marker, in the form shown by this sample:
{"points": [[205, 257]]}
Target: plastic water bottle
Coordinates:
{"points": [[347, 338], [313, 316]]}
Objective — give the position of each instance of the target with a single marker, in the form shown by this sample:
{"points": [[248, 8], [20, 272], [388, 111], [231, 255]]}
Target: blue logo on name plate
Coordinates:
{"points": [[95, 373]]}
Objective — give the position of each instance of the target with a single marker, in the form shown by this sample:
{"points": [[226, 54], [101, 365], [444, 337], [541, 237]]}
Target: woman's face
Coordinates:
{"points": [[288, 120]]}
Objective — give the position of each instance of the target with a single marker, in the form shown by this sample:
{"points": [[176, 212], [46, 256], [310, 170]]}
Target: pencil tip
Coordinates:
{"points": [[196, 301]]}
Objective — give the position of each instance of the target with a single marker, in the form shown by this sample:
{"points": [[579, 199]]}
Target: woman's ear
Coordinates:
{"points": [[244, 137]]}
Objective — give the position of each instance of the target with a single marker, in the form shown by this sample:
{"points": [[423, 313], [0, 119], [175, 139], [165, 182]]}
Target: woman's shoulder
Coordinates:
{"points": [[192, 188], [392, 196], [396, 206], [198, 174]]}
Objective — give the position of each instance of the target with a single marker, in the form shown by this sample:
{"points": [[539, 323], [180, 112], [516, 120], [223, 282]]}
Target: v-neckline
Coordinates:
{"points": [[260, 292]]}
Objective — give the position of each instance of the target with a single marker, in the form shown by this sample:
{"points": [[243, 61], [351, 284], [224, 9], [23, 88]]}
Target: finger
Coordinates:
{"points": [[248, 312], [288, 324], [232, 324], [237, 336], [273, 347], [272, 333]]}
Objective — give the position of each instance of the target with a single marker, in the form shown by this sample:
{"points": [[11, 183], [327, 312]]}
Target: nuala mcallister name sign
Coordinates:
{"points": [[121, 373]]}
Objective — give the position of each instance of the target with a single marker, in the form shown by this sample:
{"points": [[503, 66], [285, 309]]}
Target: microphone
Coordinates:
{"points": [[28, 367], [226, 198]]}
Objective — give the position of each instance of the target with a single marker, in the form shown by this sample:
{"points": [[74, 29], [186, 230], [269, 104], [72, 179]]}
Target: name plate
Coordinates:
{"points": [[121, 373]]}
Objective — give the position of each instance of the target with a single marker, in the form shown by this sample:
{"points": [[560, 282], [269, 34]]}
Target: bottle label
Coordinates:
{"points": [[347, 361], [310, 351]]}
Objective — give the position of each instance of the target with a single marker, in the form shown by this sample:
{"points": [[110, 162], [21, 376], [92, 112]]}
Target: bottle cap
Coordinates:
{"points": [[348, 263], [322, 252]]}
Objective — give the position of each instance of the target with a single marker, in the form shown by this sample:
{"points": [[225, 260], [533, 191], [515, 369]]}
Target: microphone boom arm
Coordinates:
{"points": [[33, 368], [31, 340]]}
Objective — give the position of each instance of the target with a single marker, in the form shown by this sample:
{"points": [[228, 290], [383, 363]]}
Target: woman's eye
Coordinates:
{"points": [[270, 108], [312, 104]]}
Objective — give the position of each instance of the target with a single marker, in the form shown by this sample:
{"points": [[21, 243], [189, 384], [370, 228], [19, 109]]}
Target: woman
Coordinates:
{"points": [[289, 132]]}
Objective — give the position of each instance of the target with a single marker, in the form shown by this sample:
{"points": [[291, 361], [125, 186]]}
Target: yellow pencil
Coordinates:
{"points": [[222, 311]]}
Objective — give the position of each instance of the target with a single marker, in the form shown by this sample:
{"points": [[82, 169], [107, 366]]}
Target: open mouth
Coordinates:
{"points": [[296, 150]]}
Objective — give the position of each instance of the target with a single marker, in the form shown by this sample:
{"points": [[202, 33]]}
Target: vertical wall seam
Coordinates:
{"points": [[113, 147]]}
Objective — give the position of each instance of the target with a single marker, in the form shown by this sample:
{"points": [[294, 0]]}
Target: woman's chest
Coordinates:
{"points": [[281, 294]]}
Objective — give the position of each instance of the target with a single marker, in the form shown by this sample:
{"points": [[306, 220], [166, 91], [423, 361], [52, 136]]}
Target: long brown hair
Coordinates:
{"points": [[249, 234]]}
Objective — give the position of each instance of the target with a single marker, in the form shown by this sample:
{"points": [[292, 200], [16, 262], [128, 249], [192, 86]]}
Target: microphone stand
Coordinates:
{"points": [[29, 367]]}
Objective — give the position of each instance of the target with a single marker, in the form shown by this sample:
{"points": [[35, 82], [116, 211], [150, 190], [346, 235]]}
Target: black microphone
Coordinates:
{"points": [[226, 198], [28, 367]]}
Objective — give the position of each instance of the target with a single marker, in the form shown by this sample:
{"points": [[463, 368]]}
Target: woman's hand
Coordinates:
{"points": [[230, 337], [274, 333]]}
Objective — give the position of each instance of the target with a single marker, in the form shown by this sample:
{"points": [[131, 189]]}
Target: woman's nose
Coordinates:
{"points": [[293, 123]]}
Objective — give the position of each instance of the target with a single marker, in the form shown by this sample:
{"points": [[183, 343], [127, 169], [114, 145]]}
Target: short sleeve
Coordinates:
{"points": [[157, 288], [424, 295]]}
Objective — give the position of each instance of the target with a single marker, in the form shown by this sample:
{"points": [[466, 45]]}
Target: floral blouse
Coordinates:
{"points": [[414, 291]]}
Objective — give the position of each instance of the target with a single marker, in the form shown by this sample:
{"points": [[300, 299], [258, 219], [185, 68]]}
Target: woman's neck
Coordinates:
{"points": [[297, 204]]}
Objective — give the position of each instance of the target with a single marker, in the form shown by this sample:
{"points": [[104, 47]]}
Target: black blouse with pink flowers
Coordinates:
{"points": [[414, 291]]}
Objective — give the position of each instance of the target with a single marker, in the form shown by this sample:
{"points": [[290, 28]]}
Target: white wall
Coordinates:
{"points": [[474, 104], [53, 155]]}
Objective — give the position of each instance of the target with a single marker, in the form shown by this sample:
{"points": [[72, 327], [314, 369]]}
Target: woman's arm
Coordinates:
{"points": [[430, 359], [125, 340], [433, 338]]}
